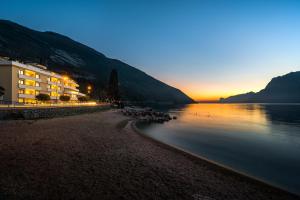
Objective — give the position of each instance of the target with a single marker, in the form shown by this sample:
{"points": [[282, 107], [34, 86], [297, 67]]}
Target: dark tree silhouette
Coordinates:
{"points": [[83, 99], [43, 97], [2, 91], [64, 98], [113, 86]]}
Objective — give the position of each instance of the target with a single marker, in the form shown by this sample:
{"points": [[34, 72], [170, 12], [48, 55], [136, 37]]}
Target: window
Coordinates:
{"points": [[48, 78], [37, 92], [21, 82], [37, 84], [48, 86], [37, 76], [58, 82], [21, 91], [21, 100], [59, 88], [21, 71]]}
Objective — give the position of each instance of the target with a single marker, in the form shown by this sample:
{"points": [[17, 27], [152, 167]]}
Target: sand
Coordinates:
{"points": [[100, 156]]}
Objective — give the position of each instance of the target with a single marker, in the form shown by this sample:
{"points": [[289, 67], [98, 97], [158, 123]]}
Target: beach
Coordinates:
{"points": [[100, 156]]}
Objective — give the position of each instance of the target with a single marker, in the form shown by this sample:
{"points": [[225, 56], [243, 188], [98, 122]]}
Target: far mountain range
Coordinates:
{"points": [[281, 89]]}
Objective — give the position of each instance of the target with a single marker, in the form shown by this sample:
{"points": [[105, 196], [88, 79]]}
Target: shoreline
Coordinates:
{"points": [[211, 162], [100, 156]]}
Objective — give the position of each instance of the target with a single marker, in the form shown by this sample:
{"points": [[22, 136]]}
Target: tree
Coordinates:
{"points": [[2, 91], [113, 86], [64, 98], [42, 97], [83, 99]]}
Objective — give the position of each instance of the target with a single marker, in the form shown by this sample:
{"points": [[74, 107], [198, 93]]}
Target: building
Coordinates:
{"points": [[22, 82]]}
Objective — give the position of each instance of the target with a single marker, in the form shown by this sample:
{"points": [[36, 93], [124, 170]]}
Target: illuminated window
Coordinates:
{"points": [[37, 76], [21, 82], [30, 83], [37, 92], [21, 71], [48, 86], [30, 73], [21, 91], [37, 84], [30, 92], [21, 100], [48, 78]]}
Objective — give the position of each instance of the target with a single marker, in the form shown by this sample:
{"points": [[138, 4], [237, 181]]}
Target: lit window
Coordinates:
{"points": [[21, 82], [37, 84], [48, 78], [37, 76], [21, 72], [37, 92], [21, 91], [48, 86], [21, 100]]}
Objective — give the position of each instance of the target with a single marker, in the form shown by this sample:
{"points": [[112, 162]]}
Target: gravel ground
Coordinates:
{"points": [[99, 156]]}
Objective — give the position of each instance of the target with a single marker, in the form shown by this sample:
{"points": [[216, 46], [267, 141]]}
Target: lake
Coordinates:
{"points": [[260, 140]]}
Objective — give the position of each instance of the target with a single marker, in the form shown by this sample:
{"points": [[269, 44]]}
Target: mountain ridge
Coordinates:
{"points": [[64, 55], [281, 89]]}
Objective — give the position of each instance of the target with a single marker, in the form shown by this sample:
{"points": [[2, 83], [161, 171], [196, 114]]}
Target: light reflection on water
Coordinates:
{"points": [[262, 140]]}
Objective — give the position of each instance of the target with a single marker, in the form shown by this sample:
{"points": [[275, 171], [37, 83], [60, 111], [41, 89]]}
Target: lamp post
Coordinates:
{"points": [[89, 89]]}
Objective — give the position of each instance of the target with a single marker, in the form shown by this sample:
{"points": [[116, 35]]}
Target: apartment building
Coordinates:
{"points": [[22, 82]]}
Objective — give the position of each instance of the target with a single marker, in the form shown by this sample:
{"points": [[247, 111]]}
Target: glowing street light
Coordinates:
{"points": [[89, 89]]}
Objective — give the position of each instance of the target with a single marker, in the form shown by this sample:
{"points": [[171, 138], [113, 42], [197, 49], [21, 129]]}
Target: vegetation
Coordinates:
{"points": [[64, 98], [42, 97], [83, 99], [113, 86], [2, 91]]}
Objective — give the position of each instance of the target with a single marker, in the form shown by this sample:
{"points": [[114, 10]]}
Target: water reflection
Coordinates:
{"points": [[262, 140]]}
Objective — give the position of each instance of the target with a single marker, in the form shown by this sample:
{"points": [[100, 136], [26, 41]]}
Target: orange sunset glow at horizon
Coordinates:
{"points": [[212, 93]]}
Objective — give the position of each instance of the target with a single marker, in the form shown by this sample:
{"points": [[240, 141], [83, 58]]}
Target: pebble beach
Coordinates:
{"points": [[100, 156]]}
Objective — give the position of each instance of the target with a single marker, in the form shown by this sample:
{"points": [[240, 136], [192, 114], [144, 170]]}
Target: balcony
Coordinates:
{"points": [[54, 90], [22, 76], [81, 94], [29, 87], [27, 96], [71, 88], [70, 92], [54, 83]]}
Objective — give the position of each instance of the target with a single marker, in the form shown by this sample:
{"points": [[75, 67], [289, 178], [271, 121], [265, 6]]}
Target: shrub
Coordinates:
{"points": [[83, 99], [2, 90], [42, 97], [65, 98]]}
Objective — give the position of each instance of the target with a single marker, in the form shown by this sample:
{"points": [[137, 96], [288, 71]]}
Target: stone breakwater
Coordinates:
{"points": [[47, 112], [147, 115]]}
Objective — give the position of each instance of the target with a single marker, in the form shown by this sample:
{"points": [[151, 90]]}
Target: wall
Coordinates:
{"points": [[42, 113], [6, 81]]}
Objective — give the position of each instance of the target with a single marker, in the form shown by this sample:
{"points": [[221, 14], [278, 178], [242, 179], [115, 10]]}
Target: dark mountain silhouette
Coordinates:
{"points": [[86, 65], [281, 89]]}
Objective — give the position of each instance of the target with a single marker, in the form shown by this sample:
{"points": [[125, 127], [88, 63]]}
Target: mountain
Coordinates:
{"points": [[281, 89], [64, 55]]}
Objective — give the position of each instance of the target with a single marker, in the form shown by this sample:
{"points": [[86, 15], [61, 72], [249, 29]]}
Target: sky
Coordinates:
{"points": [[207, 48]]}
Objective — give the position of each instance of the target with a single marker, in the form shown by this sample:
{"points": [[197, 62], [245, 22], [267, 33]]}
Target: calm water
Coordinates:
{"points": [[261, 140]]}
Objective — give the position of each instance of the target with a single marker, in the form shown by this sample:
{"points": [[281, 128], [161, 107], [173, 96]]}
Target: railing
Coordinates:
{"points": [[30, 87], [23, 76]]}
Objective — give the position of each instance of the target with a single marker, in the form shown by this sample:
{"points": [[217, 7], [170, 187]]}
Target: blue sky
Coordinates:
{"points": [[207, 48]]}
